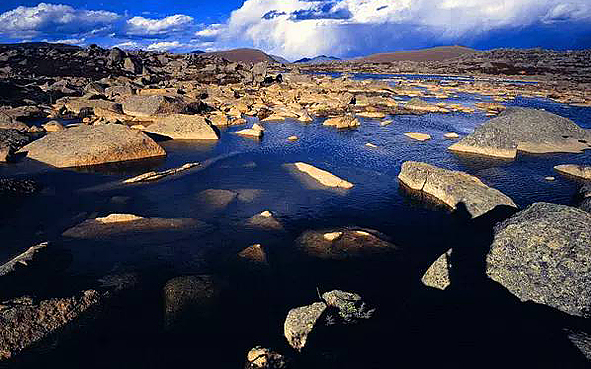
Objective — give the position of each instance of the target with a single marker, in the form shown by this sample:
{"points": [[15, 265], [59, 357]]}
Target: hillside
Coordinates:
{"points": [[242, 55], [317, 59], [431, 54]]}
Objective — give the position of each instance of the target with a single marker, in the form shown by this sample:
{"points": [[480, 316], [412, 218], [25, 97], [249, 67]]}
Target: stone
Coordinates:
{"points": [[451, 135], [264, 358], [437, 276], [183, 127], [256, 131], [91, 145], [300, 322], [542, 254], [191, 299], [580, 171], [11, 140], [346, 121], [370, 145], [148, 106], [292, 138], [153, 176], [118, 224], [216, 199], [25, 322], [254, 254], [22, 259], [526, 130], [53, 126], [323, 177], [581, 340], [343, 244], [350, 306], [418, 136], [82, 105], [15, 187], [371, 114], [419, 105], [386, 123], [265, 220], [8, 122], [453, 187]]}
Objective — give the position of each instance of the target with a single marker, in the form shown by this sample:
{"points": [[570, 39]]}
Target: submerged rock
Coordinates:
{"points": [[453, 187], [344, 244], [437, 276], [183, 127], [542, 254], [323, 177], [216, 199], [574, 170], [12, 187], [91, 145], [527, 130]]}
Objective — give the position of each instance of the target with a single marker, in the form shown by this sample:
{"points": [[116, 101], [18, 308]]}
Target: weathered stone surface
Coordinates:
{"points": [[323, 177], [265, 220], [8, 122], [24, 322], [300, 322], [350, 306], [346, 121], [452, 187], [422, 106], [90, 145], [53, 126], [527, 130], [264, 358], [77, 105], [117, 224], [582, 341], [418, 136], [190, 299], [580, 171], [11, 140], [21, 259], [542, 254], [255, 254], [343, 244], [153, 176], [256, 131], [147, 106], [437, 276], [183, 127]]}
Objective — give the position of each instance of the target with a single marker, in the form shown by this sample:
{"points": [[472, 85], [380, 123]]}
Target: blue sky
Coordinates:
{"points": [[299, 28]]}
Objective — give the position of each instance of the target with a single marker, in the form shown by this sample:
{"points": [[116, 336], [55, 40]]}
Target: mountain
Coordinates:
{"points": [[432, 54], [242, 55], [317, 59], [38, 45], [197, 52], [279, 59]]}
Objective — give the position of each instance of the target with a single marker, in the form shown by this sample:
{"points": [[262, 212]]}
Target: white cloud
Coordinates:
{"points": [[211, 31], [164, 46], [128, 45], [51, 19], [72, 41], [141, 26]]}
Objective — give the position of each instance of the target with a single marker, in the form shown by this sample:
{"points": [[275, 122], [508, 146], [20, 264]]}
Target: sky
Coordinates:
{"points": [[301, 28]]}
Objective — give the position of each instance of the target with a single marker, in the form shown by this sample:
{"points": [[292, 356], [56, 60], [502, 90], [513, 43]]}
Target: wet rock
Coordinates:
{"points": [[451, 135], [418, 136], [292, 138], [191, 300], [254, 254], [265, 220], [90, 145], [147, 106], [527, 130], [323, 177], [574, 170], [153, 176], [343, 244], [453, 187], [256, 131], [118, 224], [216, 199], [346, 121], [183, 127], [25, 322], [542, 255], [264, 358], [437, 276]]}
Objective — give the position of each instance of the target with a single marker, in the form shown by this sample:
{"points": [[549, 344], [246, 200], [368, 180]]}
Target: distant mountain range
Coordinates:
{"points": [[243, 55], [317, 59], [431, 54]]}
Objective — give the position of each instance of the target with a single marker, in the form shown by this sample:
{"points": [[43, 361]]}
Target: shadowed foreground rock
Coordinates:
{"points": [[527, 130], [91, 145], [437, 276], [453, 187], [264, 358], [543, 254]]}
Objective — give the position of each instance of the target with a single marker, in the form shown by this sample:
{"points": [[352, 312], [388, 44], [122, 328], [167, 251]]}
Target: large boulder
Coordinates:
{"points": [[452, 187], [11, 140], [343, 122], [183, 127], [527, 130], [542, 254], [8, 122], [91, 145], [574, 170], [147, 106]]}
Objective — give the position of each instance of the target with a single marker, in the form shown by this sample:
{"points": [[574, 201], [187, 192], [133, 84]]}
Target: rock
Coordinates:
{"points": [[453, 187], [265, 220], [148, 106], [116, 55], [421, 106], [183, 127], [53, 126], [574, 170], [350, 306], [191, 299], [300, 322], [81, 106], [215, 199], [25, 322], [118, 224], [371, 114], [542, 254], [153, 176], [90, 145], [256, 131], [527, 130], [550, 179], [418, 136], [386, 122], [132, 65], [8, 122], [292, 138], [451, 135], [346, 121], [114, 91], [11, 140], [437, 276], [22, 259], [254, 254], [343, 244], [12, 187], [323, 177], [264, 358], [369, 144], [581, 340]]}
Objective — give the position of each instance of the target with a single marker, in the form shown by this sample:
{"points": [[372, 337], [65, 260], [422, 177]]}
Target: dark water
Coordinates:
{"points": [[256, 168]]}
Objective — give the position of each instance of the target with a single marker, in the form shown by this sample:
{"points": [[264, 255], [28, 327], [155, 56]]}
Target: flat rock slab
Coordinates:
{"points": [[91, 145], [183, 127], [453, 187], [148, 106], [118, 224], [527, 130], [418, 136], [323, 177], [574, 170], [542, 254]]}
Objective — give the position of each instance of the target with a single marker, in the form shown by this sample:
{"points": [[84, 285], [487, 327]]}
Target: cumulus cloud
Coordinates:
{"points": [[352, 27], [127, 45], [54, 20], [164, 46], [140, 26], [210, 32]]}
